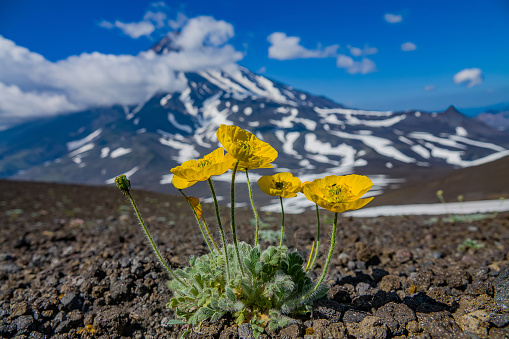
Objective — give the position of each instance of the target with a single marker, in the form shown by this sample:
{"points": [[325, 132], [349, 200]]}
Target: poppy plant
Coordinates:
{"points": [[337, 194], [284, 185], [254, 286]]}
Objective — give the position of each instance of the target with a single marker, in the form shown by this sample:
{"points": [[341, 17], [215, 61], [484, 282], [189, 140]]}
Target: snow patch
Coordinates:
{"points": [[166, 179], [477, 143], [186, 100], [380, 145], [72, 145], [423, 152], [465, 207], [120, 152], [165, 100], [82, 149], [128, 174], [461, 131], [186, 151], [348, 111], [248, 111]]}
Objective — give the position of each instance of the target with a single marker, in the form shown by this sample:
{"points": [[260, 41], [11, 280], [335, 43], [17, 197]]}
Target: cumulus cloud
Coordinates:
{"points": [[408, 46], [32, 85], [356, 51], [285, 47], [29, 104], [471, 76], [204, 30], [178, 22], [393, 18], [155, 18], [364, 66], [132, 29]]}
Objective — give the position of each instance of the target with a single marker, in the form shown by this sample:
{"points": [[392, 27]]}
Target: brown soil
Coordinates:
{"points": [[75, 264]]}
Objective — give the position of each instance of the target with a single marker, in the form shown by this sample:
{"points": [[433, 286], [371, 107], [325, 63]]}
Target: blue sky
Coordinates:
{"points": [[369, 54]]}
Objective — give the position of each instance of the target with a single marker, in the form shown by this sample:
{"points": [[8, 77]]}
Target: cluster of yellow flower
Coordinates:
{"points": [[245, 152]]}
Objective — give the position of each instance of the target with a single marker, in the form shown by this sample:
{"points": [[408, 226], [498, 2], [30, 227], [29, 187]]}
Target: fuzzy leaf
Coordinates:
{"points": [[176, 322], [216, 316], [230, 295]]}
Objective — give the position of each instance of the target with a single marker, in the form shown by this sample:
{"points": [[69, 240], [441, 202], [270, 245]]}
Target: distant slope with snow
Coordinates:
{"points": [[313, 135]]}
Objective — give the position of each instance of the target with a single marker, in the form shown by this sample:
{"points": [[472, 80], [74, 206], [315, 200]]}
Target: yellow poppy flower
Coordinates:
{"points": [[246, 147], [181, 183], [339, 193], [192, 171], [195, 202], [282, 184], [302, 184]]}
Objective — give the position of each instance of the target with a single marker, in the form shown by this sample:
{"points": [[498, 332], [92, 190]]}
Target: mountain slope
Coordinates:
{"points": [[313, 135]]}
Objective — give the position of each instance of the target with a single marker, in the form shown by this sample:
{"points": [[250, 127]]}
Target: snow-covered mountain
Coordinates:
{"points": [[313, 135]]}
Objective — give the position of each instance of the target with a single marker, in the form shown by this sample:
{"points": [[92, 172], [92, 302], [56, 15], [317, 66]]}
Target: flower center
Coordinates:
{"points": [[245, 145], [338, 193], [279, 185], [203, 163]]}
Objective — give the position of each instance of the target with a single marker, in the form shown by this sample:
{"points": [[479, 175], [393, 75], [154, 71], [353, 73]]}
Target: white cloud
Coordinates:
{"points": [[364, 66], [429, 88], [31, 85], [153, 19], [29, 104], [203, 30], [356, 51], [159, 18], [408, 46], [393, 18], [471, 76], [135, 29], [179, 22], [285, 47]]}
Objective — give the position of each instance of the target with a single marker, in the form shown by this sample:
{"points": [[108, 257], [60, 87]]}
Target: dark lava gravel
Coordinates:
{"points": [[74, 263]]}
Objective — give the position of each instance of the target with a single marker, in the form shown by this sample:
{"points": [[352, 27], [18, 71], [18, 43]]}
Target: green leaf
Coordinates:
{"points": [[230, 295], [176, 322]]}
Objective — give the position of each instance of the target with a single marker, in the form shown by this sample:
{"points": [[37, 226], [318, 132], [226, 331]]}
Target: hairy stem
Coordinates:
{"points": [[220, 229], [317, 239], [232, 217], [310, 256], [154, 247], [254, 209], [282, 222], [331, 250]]}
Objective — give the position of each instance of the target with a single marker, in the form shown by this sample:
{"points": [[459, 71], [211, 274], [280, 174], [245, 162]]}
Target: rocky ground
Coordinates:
{"points": [[75, 264]]}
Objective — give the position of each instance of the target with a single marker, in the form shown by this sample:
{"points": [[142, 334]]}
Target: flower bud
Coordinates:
{"points": [[123, 183]]}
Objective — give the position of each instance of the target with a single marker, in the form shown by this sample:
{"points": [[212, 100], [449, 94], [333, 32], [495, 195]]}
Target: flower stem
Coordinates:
{"points": [[232, 217], [198, 221], [317, 240], [254, 209], [154, 247], [220, 229], [331, 250], [208, 233], [310, 255], [282, 222]]}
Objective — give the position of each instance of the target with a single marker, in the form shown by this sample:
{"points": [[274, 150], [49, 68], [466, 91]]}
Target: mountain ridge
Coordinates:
{"points": [[314, 136]]}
